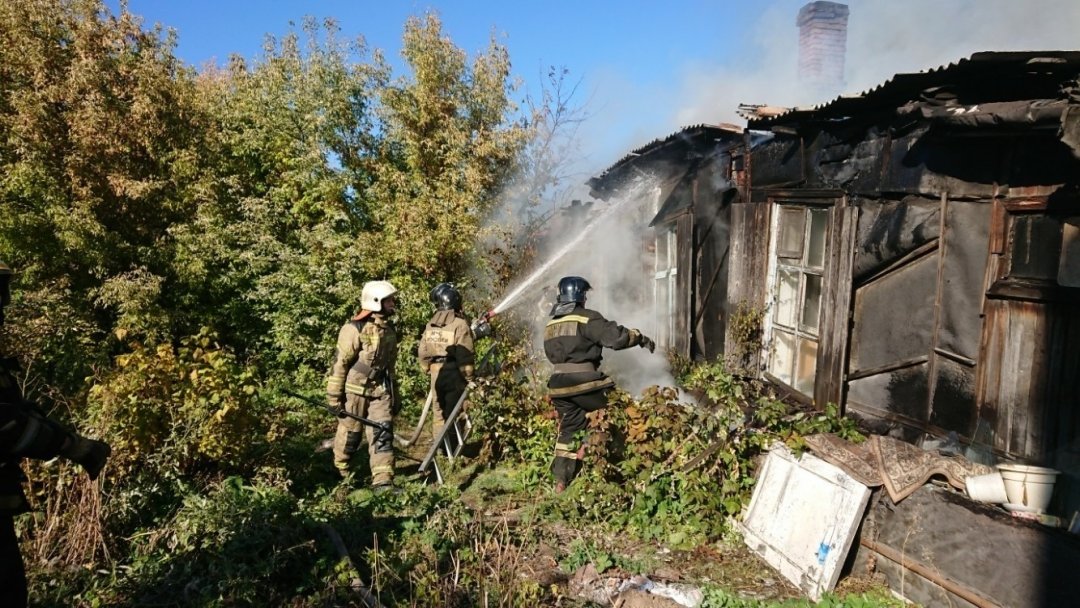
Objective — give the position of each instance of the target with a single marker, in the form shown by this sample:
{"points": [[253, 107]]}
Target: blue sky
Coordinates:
{"points": [[646, 68]]}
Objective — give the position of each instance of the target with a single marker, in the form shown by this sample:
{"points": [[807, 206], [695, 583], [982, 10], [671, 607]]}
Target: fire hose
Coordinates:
{"points": [[341, 413], [481, 328]]}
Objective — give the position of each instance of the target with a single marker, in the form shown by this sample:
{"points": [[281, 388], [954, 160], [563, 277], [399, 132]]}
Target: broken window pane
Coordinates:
{"points": [[792, 232], [783, 358], [811, 307], [787, 293], [804, 382], [819, 227], [1036, 245]]}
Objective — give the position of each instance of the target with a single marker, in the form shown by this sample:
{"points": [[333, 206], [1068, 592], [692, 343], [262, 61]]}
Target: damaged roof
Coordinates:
{"points": [[983, 78], [676, 145]]}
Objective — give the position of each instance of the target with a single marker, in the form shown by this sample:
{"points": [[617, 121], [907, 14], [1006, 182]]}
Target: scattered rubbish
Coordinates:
{"points": [[1051, 521], [684, 595], [638, 591], [989, 488]]}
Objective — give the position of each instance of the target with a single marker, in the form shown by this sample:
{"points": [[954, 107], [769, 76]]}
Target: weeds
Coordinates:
{"points": [[658, 471]]}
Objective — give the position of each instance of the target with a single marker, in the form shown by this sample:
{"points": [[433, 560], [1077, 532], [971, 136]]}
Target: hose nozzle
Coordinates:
{"points": [[481, 327]]}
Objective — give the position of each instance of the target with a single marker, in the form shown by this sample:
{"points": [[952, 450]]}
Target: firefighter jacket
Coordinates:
{"points": [[364, 359], [25, 432], [573, 343], [447, 341]]}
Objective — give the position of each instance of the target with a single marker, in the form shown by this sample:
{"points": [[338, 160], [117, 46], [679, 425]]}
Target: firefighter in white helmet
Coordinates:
{"points": [[362, 383]]}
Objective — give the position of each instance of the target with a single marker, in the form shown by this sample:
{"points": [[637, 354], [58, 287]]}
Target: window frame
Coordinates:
{"points": [[781, 261]]}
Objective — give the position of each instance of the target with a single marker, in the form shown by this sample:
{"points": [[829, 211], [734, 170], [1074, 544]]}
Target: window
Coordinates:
{"points": [[799, 263], [664, 291], [1045, 248]]}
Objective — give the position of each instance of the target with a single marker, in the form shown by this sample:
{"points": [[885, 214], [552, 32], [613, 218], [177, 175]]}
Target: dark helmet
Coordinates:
{"points": [[572, 289], [446, 297]]}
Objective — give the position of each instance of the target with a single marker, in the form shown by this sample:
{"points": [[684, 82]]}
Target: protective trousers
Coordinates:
{"points": [[12, 574], [448, 383], [570, 443], [380, 441]]}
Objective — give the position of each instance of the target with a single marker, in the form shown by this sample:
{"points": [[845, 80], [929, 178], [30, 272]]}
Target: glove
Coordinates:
{"points": [[336, 406], [647, 342], [90, 453]]}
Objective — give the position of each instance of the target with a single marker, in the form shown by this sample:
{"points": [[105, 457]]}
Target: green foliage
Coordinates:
{"points": [[450, 149], [516, 418], [744, 329], [716, 597], [581, 553], [178, 410], [671, 471]]}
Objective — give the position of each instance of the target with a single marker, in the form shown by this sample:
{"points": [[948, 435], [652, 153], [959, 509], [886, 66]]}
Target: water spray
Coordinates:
{"points": [[580, 236]]}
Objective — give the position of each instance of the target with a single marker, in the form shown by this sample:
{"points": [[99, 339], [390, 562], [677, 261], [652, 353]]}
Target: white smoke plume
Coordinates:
{"points": [[884, 38]]}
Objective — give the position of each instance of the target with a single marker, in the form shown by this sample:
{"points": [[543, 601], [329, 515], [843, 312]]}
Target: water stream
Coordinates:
{"points": [[511, 297]]}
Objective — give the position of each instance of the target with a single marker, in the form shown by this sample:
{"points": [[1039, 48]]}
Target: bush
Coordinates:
{"points": [[178, 410]]}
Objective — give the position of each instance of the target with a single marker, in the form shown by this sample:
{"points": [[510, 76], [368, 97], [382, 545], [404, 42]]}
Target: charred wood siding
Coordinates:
{"points": [[836, 305], [748, 271], [916, 321], [684, 230], [711, 255], [1030, 382]]}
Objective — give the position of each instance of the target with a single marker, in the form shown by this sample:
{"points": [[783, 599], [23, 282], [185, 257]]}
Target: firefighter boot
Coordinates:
{"points": [[564, 470]]}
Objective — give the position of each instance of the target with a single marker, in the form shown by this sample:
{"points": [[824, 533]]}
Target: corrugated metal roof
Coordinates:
{"points": [[989, 64], [683, 133]]}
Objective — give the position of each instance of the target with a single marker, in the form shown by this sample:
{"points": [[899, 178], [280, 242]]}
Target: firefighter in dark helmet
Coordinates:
{"points": [[574, 339], [446, 352], [361, 382], [26, 432]]}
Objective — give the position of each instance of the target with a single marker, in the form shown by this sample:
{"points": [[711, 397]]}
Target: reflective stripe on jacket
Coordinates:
{"points": [[447, 340], [580, 337]]}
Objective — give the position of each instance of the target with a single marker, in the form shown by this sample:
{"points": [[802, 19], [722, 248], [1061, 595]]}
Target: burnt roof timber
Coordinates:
{"points": [[993, 76], [611, 177]]}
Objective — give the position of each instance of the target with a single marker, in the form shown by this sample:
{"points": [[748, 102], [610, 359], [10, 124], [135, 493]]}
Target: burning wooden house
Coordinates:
{"points": [[912, 252]]}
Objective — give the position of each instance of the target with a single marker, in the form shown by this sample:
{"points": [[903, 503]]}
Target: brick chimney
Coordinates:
{"points": [[822, 45]]}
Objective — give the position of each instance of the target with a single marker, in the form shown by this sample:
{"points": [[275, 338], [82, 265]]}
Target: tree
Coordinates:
{"points": [[98, 143]]}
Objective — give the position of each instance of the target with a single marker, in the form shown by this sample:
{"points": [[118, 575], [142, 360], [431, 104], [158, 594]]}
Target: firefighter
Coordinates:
{"points": [[446, 353], [573, 341], [361, 382], [26, 432]]}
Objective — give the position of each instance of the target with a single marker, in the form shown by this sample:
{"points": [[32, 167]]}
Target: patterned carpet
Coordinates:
{"points": [[901, 467]]}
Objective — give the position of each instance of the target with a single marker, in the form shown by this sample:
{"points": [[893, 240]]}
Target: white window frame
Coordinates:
{"points": [[666, 273], [800, 333]]}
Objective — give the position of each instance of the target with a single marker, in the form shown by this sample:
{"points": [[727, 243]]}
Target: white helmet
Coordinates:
{"points": [[374, 293]]}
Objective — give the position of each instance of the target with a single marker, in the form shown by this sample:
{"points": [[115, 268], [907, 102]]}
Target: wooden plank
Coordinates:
{"points": [[684, 232], [881, 369], [939, 313], [999, 225], [748, 261], [1020, 206], [922, 250], [836, 306]]}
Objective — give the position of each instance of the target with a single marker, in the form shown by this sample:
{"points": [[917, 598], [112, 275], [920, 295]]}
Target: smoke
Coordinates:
{"points": [[610, 250], [884, 38]]}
